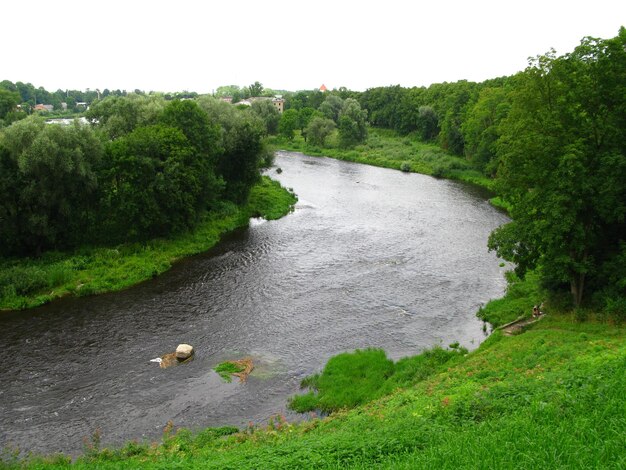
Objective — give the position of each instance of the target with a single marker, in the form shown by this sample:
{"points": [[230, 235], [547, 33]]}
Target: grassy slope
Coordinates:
{"points": [[96, 270], [551, 397]]}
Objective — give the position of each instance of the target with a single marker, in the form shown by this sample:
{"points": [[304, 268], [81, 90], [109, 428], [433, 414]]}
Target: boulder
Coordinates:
{"points": [[184, 351]]}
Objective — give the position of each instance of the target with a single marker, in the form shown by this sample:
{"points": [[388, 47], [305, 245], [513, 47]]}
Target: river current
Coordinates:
{"points": [[369, 258]]}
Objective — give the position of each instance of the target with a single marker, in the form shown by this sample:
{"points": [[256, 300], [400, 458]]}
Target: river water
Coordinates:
{"points": [[369, 257]]}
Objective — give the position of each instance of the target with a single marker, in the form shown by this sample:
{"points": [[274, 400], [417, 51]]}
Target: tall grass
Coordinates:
{"points": [[354, 378]]}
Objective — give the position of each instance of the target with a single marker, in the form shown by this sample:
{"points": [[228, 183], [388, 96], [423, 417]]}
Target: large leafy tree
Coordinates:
{"points": [[331, 107], [242, 144], [194, 122], [352, 123], [318, 129], [265, 109], [427, 123], [563, 166], [256, 89], [48, 185], [158, 184], [288, 123], [117, 116], [8, 102], [243, 150]]}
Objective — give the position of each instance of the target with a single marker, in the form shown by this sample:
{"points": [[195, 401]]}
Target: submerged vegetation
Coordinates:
{"points": [[239, 368]]}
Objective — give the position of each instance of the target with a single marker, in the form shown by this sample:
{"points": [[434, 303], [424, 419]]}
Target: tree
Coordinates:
{"points": [[193, 121], [239, 164], [8, 101], [120, 115], [52, 198], [227, 90], [319, 129], [563, 166], [159, 184], [268, 113], [288, 123], [304, 117], [256, 89], [427, 123], [352, 123], [8, 104], [242, 141], [331, 107], [481, 127]]}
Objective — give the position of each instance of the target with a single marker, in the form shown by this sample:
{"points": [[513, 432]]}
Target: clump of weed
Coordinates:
{"points": [[240, 368]]}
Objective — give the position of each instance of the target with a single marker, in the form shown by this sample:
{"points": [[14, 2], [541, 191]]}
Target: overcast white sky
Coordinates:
{"points": [[195, 45]]}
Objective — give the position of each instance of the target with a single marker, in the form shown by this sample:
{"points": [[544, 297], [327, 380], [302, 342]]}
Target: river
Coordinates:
{"points": [[369, 257]]}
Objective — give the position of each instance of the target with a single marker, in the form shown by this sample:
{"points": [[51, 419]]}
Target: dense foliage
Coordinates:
{"points": [[562, 167], [144, 168]]}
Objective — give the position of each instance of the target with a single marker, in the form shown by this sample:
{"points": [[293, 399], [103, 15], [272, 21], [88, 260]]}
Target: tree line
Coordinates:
{"points": [[144, 168]]}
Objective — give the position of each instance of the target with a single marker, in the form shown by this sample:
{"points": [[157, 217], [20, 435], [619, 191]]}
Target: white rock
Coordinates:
{"points": [[184, 351]]}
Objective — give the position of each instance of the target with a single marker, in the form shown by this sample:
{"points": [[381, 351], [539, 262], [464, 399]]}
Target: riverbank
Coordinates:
{"points": [[386, 148], [549, 397], [26, 283]]}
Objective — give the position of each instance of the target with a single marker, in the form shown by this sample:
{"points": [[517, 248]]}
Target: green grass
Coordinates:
{"points": [[227, 369], [270, 200], [518, 301], [385, 148], [551, 397], [26, 283], [354, 378]]}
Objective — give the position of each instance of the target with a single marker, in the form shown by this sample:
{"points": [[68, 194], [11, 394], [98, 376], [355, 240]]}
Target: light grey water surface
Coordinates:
{"points": [[369, 257]]}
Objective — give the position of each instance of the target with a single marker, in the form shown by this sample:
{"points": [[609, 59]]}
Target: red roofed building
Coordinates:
{"points": [[323, 88]]}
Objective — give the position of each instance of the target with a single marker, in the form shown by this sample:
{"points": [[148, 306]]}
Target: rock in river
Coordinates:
{"points": [[184, 351]]}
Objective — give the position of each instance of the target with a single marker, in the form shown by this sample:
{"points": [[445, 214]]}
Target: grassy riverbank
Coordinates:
{"points": [[26, 283], [385, 148], [550, 397]]}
